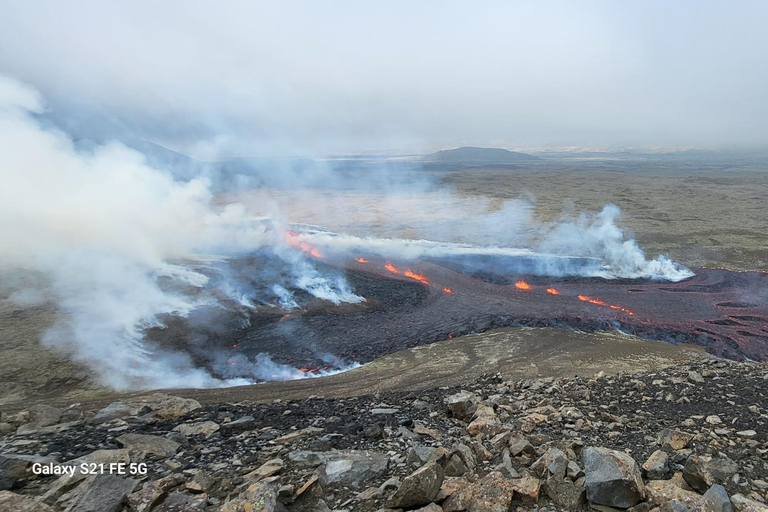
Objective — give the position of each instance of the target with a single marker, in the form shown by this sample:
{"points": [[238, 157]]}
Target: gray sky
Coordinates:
{"points": [[294, 77]]}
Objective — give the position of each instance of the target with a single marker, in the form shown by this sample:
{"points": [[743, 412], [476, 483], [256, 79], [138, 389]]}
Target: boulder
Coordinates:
{"points": [[485, 422], [244, 423], [674, 439], [13, 502], [261, 497], [702, 472], [66, 482], [201, 428], [659, 492], [40, 415], [102, 493], [419, 488], [493, 493], [179, 502], [354, 467], [269, 468], [565, 493], [527, 488], [612, 478], [147, 444], [420, 455], [744, 504], [463, 405], [152, 494], [716, 500], [164, 406], [13, 468], [657, 465]]}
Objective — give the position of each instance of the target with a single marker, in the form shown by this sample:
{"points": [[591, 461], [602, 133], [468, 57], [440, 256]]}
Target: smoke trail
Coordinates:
{"points": [[110, 233]]}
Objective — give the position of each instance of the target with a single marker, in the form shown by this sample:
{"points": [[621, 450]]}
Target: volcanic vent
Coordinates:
{"points": [[412, 302]]}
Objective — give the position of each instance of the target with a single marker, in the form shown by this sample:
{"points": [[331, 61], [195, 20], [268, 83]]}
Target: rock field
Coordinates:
{"points": [[688, 437]]}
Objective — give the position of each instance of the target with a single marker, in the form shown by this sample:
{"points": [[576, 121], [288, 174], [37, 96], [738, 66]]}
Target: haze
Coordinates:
{"points": [[216, 79]]}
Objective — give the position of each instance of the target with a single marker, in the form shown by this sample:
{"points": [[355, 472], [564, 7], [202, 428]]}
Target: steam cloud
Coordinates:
{"points": [[118, 244]]}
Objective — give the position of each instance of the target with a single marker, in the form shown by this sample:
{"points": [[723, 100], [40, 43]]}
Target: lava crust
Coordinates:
{"points": [[724, 311]]}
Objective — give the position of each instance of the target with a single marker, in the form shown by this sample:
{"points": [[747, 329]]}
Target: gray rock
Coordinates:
{"points": [[463, 405], [164, 406], [151, 495], [102, 493], [42, 415], [455, 466], [657, 465], [261, 497], [354, 467], [66, 482], [521, 446], [493, 493], [701, 471], [13, 468], [244, 423], [674, 439], [144, 444], [716, 500], [201, 482], [12, 502], [179, 502], [743, 504], [200, 428], [420, 455], [419, 488], [612, 478], [565, 493], [674, 506]]}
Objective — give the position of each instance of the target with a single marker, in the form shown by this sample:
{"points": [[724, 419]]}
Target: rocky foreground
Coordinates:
{"points": [[687, 437]]}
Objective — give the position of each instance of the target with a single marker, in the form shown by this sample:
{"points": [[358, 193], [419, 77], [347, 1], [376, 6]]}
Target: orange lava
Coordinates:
{"points": [[361, 260], [414, 275], [522, 285], [599, 302], [293, 241], [447, 290], [389, 266], [553, 291]]}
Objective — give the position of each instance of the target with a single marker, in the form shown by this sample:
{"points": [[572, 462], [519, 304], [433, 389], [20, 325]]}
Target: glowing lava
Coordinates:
{"points": [[522, 285], [553, 291], [293, 241], [361, 260], [599, 302], [447, 290], [413, 275], [389, 266]]}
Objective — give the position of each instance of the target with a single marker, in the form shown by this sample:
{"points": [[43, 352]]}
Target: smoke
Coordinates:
{"points": [[120, 245]]}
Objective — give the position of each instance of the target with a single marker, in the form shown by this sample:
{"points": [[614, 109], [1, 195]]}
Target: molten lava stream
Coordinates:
{"points": [[413, 275], [361, 260], [522, 285], [389, 266], [293, 241], [553, 291], [599, 302]]}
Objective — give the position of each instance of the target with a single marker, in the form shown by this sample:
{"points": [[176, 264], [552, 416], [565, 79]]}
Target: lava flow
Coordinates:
{"points": [[725, 312]]}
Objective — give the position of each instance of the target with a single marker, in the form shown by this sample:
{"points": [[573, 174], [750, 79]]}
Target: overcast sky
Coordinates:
{"points": [[325, 77]]}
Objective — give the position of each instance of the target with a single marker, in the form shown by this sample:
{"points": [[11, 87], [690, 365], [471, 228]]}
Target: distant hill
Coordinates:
{"points": [[479, 156]]}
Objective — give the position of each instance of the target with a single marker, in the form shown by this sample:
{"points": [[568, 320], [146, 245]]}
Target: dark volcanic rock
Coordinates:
{"points": [[612, 478]]}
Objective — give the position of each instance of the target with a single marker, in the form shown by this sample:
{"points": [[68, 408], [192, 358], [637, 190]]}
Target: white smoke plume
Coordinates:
{"points": [[120, 244], [105, 229]]}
